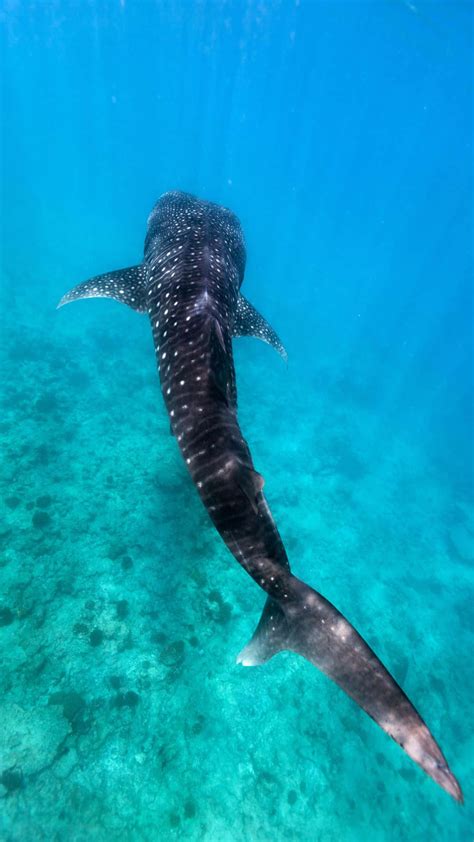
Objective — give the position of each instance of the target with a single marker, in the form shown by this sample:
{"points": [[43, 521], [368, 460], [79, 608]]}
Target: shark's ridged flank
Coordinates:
{"points": [[189, 284]]}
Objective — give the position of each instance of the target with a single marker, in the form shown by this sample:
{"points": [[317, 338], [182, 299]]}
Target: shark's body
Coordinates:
{"points": [[189, 284]]}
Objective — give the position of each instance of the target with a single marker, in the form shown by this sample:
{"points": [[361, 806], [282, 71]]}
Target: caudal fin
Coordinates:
{"points": [[304, 622]]}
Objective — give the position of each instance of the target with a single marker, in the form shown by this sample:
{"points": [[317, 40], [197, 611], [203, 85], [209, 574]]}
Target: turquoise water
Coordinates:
{"points": [[341, 136]]}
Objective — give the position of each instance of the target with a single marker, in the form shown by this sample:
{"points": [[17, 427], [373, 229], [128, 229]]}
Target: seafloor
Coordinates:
{"points": [[123, 713]]}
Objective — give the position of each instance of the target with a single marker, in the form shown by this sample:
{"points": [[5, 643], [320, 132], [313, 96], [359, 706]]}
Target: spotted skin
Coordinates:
{"points": [[189, 284]]}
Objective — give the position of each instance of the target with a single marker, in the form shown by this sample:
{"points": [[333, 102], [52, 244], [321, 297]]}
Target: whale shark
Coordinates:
{"points": [[189, 284]]}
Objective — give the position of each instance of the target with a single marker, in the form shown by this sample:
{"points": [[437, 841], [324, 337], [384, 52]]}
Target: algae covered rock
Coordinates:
{"points": [[41, 519], [6, 615], [29, 739], [173, 653], [73, 707]]}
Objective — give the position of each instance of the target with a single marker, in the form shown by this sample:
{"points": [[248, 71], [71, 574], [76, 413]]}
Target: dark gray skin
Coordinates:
{"points": [[189, 284]]}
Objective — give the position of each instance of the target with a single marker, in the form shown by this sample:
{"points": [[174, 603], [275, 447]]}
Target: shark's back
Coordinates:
{"points": [[180, 219]]}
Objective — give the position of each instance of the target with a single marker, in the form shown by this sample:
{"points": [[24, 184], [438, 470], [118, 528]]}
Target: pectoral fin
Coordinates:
{"points": [[124, 285], [249, 322]]}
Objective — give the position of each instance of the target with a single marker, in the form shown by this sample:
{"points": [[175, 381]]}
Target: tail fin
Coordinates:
{"points": [[304, 622]]}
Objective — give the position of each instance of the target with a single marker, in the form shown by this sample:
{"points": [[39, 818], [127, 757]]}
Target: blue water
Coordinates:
{"points": [[341, 135]]}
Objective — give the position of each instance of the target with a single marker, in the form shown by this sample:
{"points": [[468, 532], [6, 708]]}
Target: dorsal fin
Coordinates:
{"points": [[249, 322], [222, 367], [250, 483], [124, 285]]}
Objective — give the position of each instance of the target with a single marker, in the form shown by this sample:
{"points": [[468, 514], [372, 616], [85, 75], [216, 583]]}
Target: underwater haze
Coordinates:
{"points": [[340, 133]]}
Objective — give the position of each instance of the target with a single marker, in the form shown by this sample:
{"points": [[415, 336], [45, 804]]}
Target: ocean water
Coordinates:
{"points": [[341, 135]]}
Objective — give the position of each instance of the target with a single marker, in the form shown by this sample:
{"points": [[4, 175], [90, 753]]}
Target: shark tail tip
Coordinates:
{"points": [[422, 747], [449, 783]]}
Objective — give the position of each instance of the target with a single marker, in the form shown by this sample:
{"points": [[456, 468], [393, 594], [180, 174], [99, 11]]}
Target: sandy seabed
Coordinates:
{"points": [[123, 715]]}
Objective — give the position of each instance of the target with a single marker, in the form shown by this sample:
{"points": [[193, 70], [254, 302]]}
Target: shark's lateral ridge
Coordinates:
{"points": [[189, 284]]}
